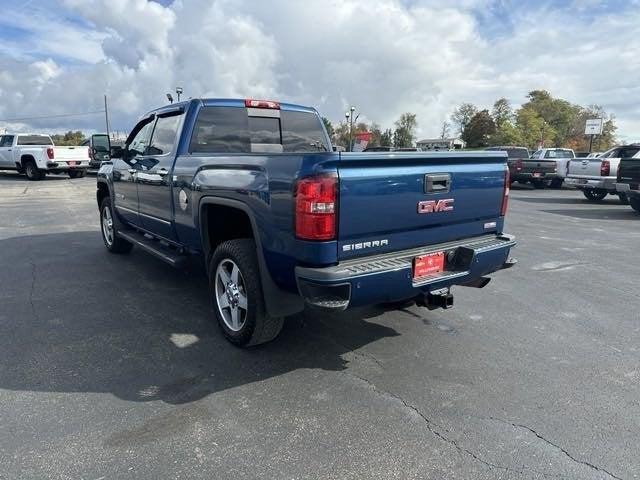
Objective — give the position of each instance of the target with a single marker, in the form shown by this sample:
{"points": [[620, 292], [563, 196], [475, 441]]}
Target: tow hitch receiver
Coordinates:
{"points": [[442, 298]]}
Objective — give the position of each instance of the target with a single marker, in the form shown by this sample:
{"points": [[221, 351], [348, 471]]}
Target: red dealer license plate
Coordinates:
{"points": [[430, 264]]}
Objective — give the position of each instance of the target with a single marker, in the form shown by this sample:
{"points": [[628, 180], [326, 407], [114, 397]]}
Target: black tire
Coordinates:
{"points": [[31, 171], [114, 243], [624, 200], [635, 203], [539, 184], [594, 194], [523, 182], [77, 173], [556, 183], [256, 326]]}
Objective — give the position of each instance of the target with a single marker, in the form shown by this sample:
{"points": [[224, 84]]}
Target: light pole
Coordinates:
{"points": [[179, 92]]}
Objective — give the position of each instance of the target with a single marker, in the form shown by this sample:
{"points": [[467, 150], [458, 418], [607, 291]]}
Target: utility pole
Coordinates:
{"points": [[106, 117]]}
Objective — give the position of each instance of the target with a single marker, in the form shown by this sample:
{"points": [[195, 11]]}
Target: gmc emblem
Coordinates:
{"points": [[433, 206]]}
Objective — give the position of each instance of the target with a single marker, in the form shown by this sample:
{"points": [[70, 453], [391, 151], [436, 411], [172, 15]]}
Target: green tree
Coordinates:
{"points": [[404, 134], [479, 129], [376, 135], [462, 115], [502, 112], [68, 139], [507, 134], [534, 130], [328, 126], [386, 139], [557, 113]]}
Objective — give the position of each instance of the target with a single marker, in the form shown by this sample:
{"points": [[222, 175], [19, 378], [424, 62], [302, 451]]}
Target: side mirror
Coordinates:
{"points": [[116, 152]]}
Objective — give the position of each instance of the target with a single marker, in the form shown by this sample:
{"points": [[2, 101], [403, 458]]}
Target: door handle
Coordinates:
{"points": [[133, 171], [437, 183], [162, 172]]}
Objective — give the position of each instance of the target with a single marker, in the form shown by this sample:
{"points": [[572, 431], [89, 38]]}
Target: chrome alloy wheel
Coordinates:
{"points": [[107, 225], [231, 295]]}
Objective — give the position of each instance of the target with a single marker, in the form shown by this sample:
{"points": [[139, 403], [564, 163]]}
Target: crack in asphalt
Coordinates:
{"points": [[565, 452], [435, 430], [33, 287]]}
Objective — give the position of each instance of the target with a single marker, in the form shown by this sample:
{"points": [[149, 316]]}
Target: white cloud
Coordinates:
{"points": [[384, 56]]}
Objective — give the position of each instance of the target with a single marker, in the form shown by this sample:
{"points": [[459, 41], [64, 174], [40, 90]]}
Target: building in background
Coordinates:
{"points": [[450, 143]]}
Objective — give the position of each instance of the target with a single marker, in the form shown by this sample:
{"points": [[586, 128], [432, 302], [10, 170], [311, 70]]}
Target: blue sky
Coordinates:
{"points": [[385, 56]]}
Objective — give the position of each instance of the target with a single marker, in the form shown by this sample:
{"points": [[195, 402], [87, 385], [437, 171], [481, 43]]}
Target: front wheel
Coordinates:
{"points": [[624, 200], [594, 195], [109, 230], [234, 279], [635, 203]]}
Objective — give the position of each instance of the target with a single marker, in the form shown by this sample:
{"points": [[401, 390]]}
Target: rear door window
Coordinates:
{"points": [[241, 130], [629, 152], [6, 140]]}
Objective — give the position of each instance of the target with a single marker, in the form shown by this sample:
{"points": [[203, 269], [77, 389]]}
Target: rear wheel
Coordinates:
{"points": [[539, 184], [109, 230], [594, 194], [31, 171], [235, 286], [77, 173], [635, 204], [556, 183]]}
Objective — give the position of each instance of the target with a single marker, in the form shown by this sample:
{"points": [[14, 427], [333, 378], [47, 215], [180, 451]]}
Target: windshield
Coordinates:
{"points": [[34, 140], [101, 143], [559, 154]]}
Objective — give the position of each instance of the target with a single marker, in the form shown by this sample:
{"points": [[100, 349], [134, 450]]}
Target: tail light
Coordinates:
{"points": [[605, 168], [50, 153], [315, 207], [250, 103], [505, 195], [519, 165]]}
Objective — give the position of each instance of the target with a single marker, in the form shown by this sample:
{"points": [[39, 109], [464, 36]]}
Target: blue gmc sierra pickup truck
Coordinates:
{"points": [[281, 220]]}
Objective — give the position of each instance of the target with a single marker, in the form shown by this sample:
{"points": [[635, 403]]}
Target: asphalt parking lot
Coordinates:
{"points": [[111, 368]]}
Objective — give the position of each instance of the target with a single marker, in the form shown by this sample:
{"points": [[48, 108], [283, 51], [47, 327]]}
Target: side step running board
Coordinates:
{"points": [[155, 248]]}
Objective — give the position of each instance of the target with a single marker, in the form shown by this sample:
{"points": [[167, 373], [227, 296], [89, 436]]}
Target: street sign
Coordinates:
{"points": [[593, 126]]}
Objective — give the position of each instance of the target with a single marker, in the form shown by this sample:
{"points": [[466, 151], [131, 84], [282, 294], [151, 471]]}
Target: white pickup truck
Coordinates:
{"points": [[597, 177], [35, 156]]}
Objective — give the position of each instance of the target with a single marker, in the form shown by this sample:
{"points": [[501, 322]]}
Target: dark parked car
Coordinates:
{"points": [[629, 181]]}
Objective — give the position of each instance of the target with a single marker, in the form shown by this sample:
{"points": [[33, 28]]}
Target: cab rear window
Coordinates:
{"points": [[34, 140], [236, 130]]}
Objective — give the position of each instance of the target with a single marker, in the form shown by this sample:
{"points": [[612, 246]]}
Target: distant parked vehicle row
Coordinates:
{"points": [[597, 177], [35, 155], [546, 167]]}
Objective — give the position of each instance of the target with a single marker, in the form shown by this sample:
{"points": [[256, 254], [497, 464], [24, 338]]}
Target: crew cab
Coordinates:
{"points": [[597, 177], [282, 221], [35, 155], [561, 157], [539, 172], [629, 180]]}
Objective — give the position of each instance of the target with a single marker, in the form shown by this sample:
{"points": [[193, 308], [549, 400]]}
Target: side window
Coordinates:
{"points": [[139, 144], [6, 140], [164, 135], [302, 132], [221, 130], [629, 152]]}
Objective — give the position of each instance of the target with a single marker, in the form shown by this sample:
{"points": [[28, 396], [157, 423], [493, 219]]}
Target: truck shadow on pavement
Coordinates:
{"points": [[624, 213], [20, 176], [78, 319]]}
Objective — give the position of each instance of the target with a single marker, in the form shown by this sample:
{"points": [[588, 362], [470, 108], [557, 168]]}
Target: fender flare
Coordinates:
{"points": [[279, 303]]}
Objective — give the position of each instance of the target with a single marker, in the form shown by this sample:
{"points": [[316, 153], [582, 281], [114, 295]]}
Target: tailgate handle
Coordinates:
{"points": [[437, 183]]}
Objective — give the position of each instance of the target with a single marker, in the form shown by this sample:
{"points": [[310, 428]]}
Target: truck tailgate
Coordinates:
{"points": [[539, 166], [585, 168], [392, 202], [71, 153]]}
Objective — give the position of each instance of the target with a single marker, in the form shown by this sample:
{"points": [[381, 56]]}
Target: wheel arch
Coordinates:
{"points": [[277, 301]]}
